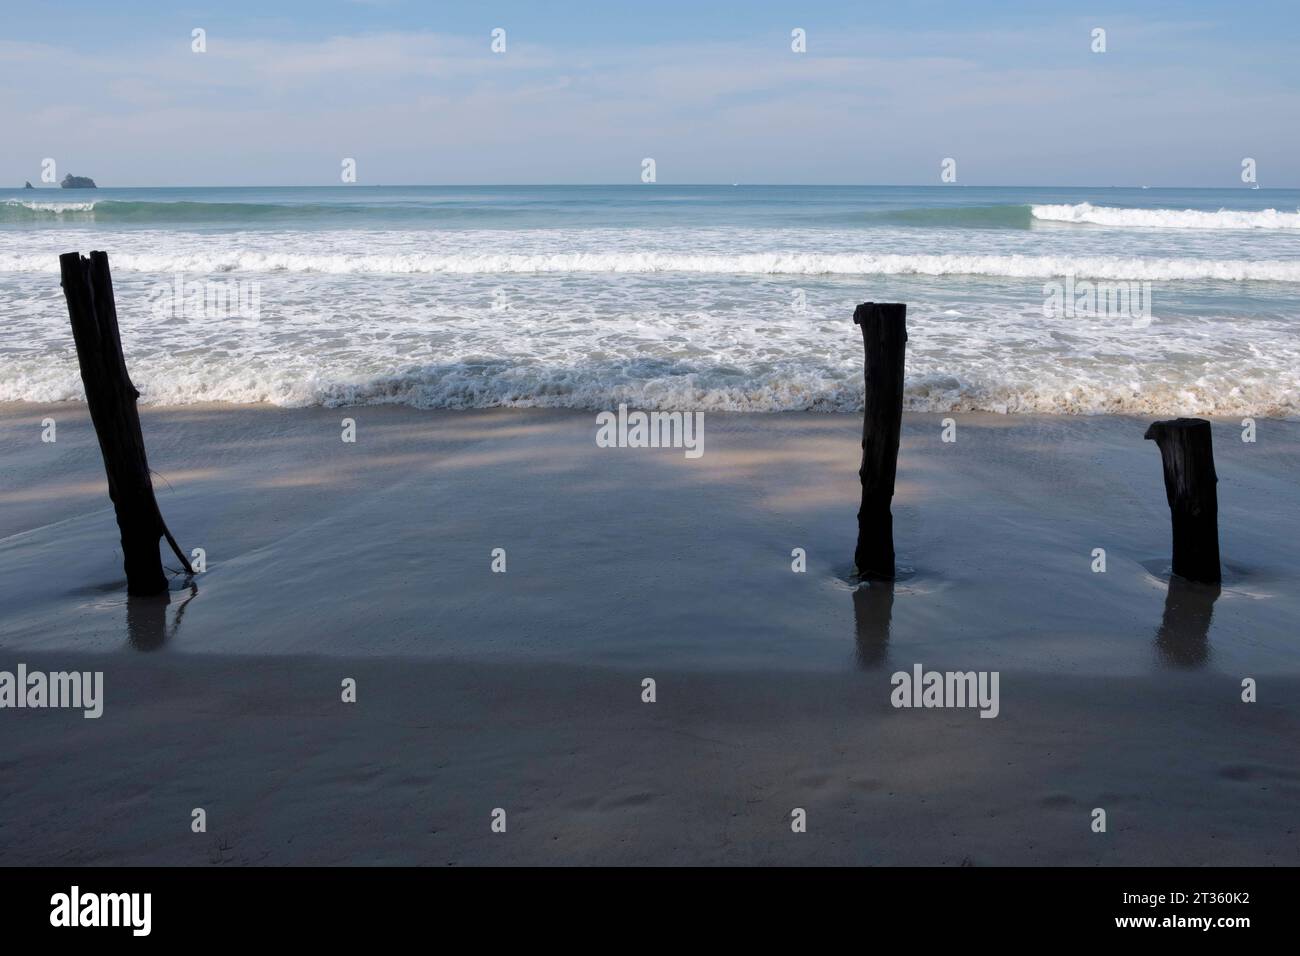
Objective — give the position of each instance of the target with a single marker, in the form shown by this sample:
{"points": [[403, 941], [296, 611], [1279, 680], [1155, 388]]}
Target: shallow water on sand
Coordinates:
{"points": [[642, 557]]}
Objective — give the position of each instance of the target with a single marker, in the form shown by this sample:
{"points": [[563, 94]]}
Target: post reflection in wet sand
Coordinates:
{"points": [[873, 608], [1183, 638], [146, 619]]}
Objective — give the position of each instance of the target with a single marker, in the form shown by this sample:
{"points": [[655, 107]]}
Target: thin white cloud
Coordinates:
{"points": [[428, 107]]}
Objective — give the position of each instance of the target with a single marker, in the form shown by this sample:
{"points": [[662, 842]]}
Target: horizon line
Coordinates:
{"points": [[52, 186]]}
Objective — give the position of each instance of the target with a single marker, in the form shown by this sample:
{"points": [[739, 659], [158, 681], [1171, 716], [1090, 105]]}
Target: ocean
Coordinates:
{"points": [[1045, 300]]}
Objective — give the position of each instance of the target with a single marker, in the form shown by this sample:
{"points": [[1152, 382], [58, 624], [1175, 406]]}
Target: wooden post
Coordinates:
{"points": [[111, 397], [1188, 455], [884, 338]]}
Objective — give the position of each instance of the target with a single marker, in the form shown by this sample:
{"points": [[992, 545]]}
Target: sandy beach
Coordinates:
{"points": [[522, 690]]}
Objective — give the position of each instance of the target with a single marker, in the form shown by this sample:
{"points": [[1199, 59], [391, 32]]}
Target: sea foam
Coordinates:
{"points": [[757, 263]]}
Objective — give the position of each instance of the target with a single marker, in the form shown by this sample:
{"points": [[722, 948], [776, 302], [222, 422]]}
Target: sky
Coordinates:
{"points": [[711, 90]]}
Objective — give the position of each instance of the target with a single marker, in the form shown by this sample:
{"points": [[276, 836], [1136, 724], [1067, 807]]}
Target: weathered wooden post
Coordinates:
{"points": [[1187, 452], [88, 287], [884, 338]]}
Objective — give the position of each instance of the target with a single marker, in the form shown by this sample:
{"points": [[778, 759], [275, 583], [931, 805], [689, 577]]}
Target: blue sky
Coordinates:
{"points": [[710, 90]]}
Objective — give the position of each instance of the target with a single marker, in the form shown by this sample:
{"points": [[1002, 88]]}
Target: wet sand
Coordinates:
{"points": [[522, 690]]}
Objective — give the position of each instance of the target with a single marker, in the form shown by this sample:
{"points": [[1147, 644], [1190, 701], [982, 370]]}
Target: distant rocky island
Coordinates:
{"points": [[77, 182], [28, 185]]}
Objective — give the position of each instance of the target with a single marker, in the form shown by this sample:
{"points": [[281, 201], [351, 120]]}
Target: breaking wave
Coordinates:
{"points": [[1168, 218]]}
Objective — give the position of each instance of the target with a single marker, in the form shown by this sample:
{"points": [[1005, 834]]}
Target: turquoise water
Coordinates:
{"points": [[1059, 300], [549, 207]]}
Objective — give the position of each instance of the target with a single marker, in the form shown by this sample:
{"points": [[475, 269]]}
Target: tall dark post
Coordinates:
{"points": [[88, 287], [884, 338], [1188, 455]]}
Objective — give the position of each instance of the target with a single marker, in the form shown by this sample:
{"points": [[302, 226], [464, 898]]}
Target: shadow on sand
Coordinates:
{"points": [[873, 609], [1183, 638], [146, 618]]}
